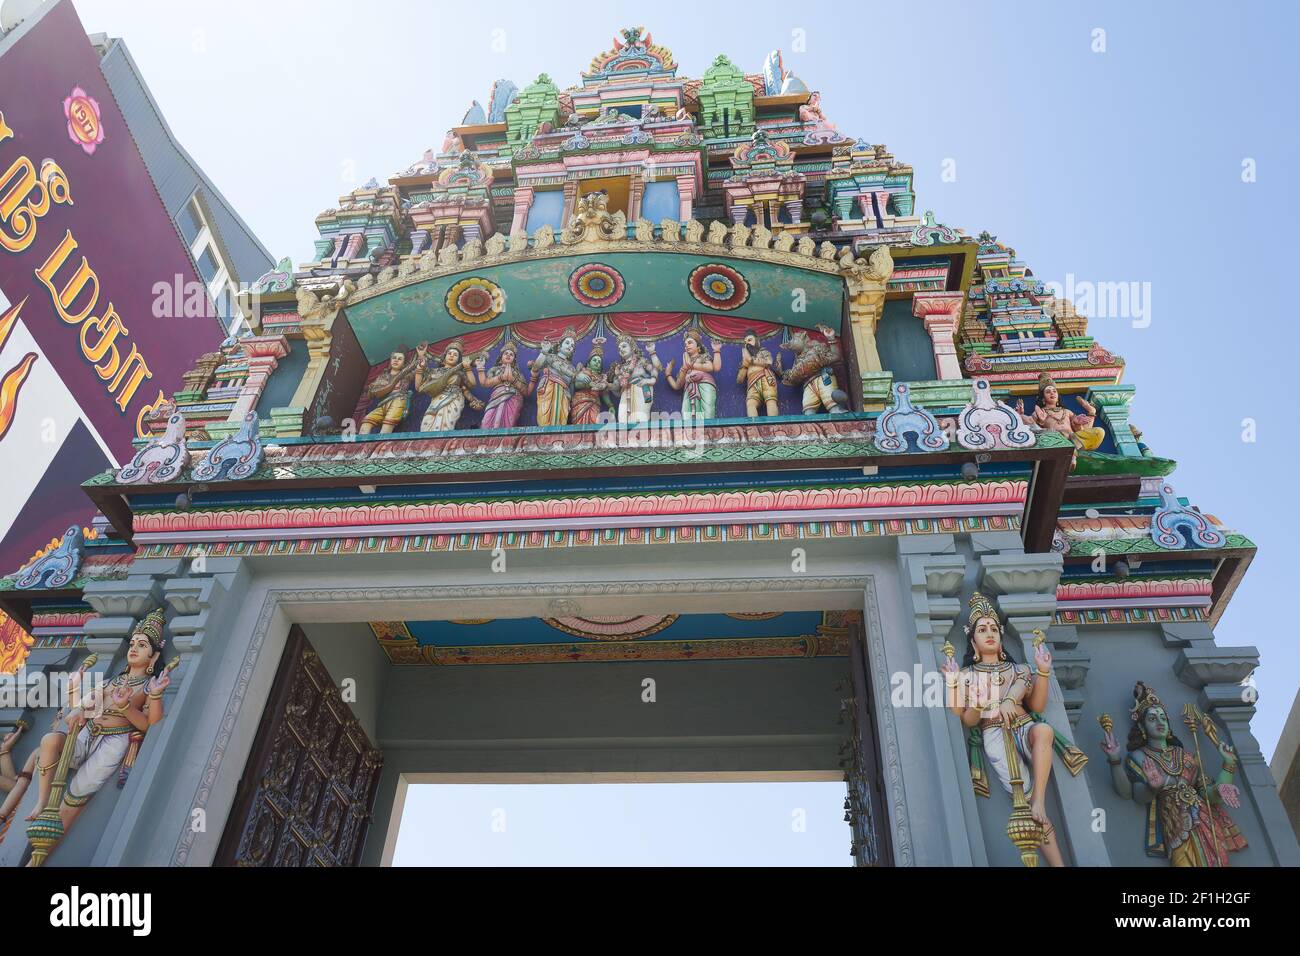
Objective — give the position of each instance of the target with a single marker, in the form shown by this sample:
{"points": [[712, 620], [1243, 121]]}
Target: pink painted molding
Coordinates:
{"points": [[762, 506], [1127, 590], [64, 619]]}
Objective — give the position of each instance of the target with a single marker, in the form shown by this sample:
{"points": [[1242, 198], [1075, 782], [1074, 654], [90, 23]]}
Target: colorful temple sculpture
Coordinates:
{"points": [[649, 378]]}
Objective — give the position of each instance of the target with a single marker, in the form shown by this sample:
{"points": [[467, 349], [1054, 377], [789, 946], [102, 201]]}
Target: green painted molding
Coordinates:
{"points": [[1099, 464], [286, 422], [601, 457], [1145, 545], [876, 388], [941, 393]]}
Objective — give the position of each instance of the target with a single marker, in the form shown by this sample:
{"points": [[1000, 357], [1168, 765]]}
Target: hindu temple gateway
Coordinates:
{"points": [[644, 430]]}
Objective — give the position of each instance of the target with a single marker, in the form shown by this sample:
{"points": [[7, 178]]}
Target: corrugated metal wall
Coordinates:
{"points": [[174, 174]]}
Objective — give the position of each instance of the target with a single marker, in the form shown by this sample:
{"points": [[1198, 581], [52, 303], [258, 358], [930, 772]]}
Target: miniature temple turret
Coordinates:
{"points": [[365, 222], [537, 105], [455, 205], [726, 98], [764, 188], [866, 185]]}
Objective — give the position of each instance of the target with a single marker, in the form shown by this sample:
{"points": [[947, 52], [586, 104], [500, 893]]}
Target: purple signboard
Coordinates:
{"points": [[87, 248]]}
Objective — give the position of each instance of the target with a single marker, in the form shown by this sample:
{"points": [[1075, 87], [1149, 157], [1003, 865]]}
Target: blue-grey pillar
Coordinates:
{"points": [[1025, 590], [934, 573], [1218, 673]]}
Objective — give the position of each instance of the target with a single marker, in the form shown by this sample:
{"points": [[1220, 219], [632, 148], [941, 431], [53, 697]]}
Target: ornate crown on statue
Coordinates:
{"points": [[980, 606], [1144, 698], [151, 626]]}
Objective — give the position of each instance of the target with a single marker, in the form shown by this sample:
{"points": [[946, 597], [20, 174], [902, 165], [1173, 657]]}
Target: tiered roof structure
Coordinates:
{"points": [[637, 203]]}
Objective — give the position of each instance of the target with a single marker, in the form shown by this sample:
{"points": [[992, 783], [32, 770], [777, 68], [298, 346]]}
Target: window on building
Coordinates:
{"points": [[547, 210], [217, 275], [207, 264], [661, 201], [191, 224]]}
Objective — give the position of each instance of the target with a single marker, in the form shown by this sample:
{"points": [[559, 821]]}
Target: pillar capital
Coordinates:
{"points": [[1013, 575], [1203, 664], [935, 581], [115, 600], [940, 312], [1112, 402], [192, 599], [867, 281], [938, 305]]}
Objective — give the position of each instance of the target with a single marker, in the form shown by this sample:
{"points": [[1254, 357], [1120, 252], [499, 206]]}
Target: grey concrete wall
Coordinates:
{"points": [[708, 717], [1120, 656], [229, 621], [350, 652]]}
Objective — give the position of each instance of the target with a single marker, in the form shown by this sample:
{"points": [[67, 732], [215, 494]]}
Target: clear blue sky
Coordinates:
{"points": [[1122, 166], [642, 824]]}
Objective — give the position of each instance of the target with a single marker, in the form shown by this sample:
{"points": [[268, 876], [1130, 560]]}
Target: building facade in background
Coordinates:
{"points": [[226, 253], [646, 428], [165, 247]]}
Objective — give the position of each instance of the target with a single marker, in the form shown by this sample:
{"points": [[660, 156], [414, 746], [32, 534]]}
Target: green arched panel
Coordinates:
{"points": [[540, 288]]}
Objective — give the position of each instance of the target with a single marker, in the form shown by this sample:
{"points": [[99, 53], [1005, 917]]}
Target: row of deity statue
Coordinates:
{"points": [[568, 392], [1000, 703]]}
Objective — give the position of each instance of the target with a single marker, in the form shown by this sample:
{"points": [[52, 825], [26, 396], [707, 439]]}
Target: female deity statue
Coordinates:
{"points": [[634, 375], [509, 387], [107, 726], [390, 393], [700, 391], [592, 388], [991, 691], [1186, 822], [557, 374], [756, 374], [447, 386], [811, 112], [1050, 414]]}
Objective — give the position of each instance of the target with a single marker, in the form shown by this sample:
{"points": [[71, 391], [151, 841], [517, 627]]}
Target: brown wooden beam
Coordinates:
{"points": [[1045, 494], [1092, 490]]}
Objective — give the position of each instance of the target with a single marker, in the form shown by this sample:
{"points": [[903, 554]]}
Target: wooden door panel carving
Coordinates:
{"points": [[307, 792]]}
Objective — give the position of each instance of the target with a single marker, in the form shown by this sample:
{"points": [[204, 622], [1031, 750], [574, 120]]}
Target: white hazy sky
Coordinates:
{"points": [[1115, 166]]}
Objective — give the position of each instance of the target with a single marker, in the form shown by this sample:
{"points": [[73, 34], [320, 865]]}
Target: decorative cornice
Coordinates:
{"points": [[406, 543], [1130, 616], [450, 261], [739, 505], [539, 449]]}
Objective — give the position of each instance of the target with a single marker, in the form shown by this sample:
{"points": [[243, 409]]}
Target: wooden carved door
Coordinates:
{"points": [[307, 791], [864, 806]]}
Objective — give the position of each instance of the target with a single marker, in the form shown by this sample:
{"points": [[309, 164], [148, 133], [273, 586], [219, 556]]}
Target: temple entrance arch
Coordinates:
{"points": [[776, 697]]}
